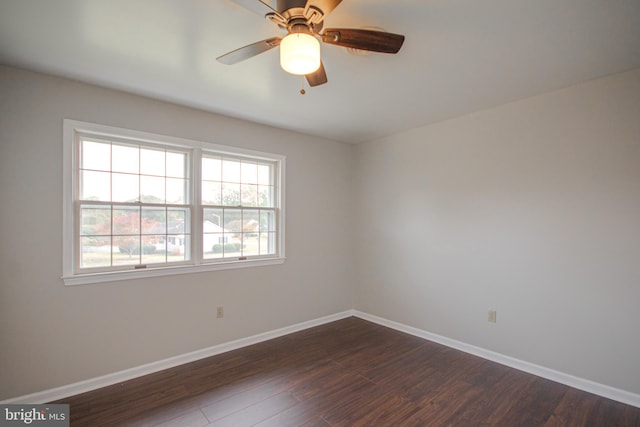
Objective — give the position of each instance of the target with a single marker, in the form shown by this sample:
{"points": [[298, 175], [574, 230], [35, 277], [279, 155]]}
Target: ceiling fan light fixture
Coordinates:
{"points": [[300, 54]]}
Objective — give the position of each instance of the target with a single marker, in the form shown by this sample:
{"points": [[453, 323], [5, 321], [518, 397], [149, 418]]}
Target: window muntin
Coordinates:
{"points": [[136, 201]]}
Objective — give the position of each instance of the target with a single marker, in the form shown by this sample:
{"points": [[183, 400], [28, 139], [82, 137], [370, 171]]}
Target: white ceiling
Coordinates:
{"points": [[459, 56]]}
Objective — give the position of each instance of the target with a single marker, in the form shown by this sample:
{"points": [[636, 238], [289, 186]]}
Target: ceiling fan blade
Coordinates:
{"points": [[374, 41], [257, 6], [249, 51], [318, 77], [272, 11], [326, 6]]}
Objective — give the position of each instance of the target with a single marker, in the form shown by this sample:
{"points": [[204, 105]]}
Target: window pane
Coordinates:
{"points": [[126, 250], [213, 216], [250, 228], [161, 245], [267, 221], [95, 186], [95, 251], [233, 246], [251, 245], [265, 196], [186, 254], [213, 245], [233, 220], [230, 170], [249, 195], [96, 155], [176, 165], [95, 221], [264, 174], [125, 159], [211, 193], [125, 187], [212, 168], [230, 194], [153, 250], [152, 162], [250, 221], [178, 247], [214, 235], [249, 172], [152, 189], [177, 191], [154, 220], [178, 236], [178, 221], [126, 220], [267, 243]]}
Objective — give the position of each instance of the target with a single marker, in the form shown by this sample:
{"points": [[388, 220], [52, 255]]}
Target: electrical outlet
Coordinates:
{"points": [[491, 317], [219, 312]]}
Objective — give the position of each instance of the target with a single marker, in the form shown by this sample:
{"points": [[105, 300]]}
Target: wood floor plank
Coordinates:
{"points": [[536, 404], [304, 413], [387, 410], [446, 406], [191, 419], [240, 401], [163, 414], [327, 379], [495, 400], [258, 412], [346, 373]]}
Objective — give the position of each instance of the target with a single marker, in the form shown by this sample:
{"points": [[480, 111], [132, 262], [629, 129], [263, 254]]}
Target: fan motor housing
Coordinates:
{"points": [[292, 14], [284, 5]]}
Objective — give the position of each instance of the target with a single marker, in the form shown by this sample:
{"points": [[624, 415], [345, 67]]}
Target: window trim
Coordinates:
{"points": [[71, 129]]}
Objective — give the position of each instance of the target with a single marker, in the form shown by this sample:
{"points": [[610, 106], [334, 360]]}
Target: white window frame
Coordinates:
{"points": [[72, 129]]}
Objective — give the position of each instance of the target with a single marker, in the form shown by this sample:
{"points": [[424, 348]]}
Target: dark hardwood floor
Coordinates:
{"points": [[346, 373]]}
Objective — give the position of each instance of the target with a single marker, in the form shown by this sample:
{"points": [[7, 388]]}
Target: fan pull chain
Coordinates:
{"points": [[302, 91]]}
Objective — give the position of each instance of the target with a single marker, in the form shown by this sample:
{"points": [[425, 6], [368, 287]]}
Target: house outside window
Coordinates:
{"points": [[142, 205]]}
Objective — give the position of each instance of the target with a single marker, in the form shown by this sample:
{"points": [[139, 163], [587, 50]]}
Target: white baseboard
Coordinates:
{"points": [[149, 368], [550, 374], [128, 374]]}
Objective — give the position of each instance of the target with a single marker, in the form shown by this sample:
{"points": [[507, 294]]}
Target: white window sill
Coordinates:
{"points": [[113, 276]]}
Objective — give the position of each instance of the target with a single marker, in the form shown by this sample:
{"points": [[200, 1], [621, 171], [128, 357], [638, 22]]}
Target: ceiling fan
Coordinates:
{"points": [[303, 21]]}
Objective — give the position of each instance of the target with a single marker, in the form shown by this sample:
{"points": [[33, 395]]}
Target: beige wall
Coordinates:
{"points": [[52, 335], [531, 208]]}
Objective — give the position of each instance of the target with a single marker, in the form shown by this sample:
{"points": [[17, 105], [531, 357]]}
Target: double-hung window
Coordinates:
{"points": [[142, 205]]}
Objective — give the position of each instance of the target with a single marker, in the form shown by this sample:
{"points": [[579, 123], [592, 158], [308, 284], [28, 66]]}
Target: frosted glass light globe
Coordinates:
{"points": [[300, 54]]}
